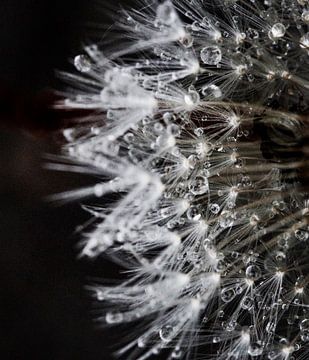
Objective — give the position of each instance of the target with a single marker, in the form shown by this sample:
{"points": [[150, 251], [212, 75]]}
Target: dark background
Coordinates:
{"points": [[45, 312]]}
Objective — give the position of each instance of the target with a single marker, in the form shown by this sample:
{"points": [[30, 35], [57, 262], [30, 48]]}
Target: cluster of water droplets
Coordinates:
{"points": [[216, 233]]}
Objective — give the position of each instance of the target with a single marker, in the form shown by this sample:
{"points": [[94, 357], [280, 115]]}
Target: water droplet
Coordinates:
{"points": [[114, 318], [255, 349], [227, 294], [186, 40], [199, 132], [253, 272], [177, 353], [247, 303], [192, 98], [82, 63], [214, 208], [304, 41], [166, 333], [252, 34], [301, 235], [216, 339], [212, 91], [199, 185], [211, 55], [193, 213], [277, 31], [305, 16], [141, 342], [174, 129], [100, 295], [304, 325]]}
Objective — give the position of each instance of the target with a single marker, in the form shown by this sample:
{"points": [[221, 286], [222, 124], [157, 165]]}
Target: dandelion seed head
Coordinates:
{"points": [[196, 126]]}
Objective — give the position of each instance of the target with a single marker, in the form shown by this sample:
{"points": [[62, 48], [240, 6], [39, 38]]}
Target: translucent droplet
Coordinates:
{"points": [[226, 219], [166, 333], [216, 339], [165, 141], [141, 342], [252, 34], [186, 40], [255, 349], [253, 272], [211, 55], [100, 295], [305, 16], [301, 235], [304, 325], [247, 303], [192, 98], [214, 208], [129, 138], [212, 91], [304, 41], [207, 244], [246, 181], [199, 132], [193, 213], [82, 63], [174, 129], [230, 326], [177, 353], [277, 31], [254, 220], [167, 117], [227, 294], [114, 318], [199, 185], [304, 335]]}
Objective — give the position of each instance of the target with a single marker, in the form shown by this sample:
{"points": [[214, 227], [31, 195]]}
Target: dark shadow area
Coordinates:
{"points": [[45, 312]]}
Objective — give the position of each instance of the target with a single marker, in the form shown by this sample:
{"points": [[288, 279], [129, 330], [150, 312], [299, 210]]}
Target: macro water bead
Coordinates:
{"points": [[195, 126], [211, 55], [277, 31]]}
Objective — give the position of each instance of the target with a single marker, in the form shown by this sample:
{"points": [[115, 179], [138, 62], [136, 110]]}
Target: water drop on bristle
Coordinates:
{"points": [[211, 55], [277, 31], [82, 63]]}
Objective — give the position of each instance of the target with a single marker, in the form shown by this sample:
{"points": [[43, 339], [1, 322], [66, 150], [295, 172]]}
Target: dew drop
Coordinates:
{"points": [[305, 16], [166, 333], [214, 208], [301, 235], [253, 272], [211, 55], [277, 31], [113, 318], [193, 214], [216, 339], [199, 185], [304, 325], [247, 303], [82, 63], [304, 41], [227, 294], [192, 98], [177, 353], [212, 91], [255, 349]]}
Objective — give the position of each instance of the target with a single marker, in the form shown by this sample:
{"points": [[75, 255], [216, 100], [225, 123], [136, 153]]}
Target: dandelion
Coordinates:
{"points": [[199, 125]]}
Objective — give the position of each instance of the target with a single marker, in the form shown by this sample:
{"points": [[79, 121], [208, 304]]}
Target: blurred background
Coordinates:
{"points": [[45, 312]]}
